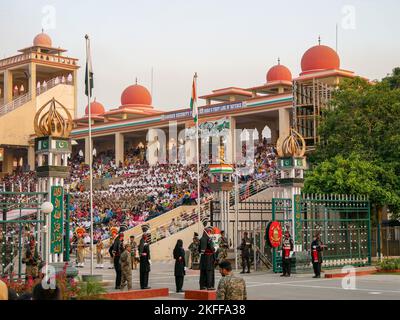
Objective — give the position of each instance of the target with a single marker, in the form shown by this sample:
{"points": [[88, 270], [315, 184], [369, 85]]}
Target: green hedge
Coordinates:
{"points": [[390, 264]]}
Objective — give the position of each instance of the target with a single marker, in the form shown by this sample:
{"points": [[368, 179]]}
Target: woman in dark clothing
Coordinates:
{"points": [[180, 265]]}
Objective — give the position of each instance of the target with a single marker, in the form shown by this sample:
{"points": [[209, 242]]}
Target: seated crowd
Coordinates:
{"points": [[137, 192]]}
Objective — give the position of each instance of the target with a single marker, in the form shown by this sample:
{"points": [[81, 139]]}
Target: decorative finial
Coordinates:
{"points": [[279, 61], [319, 40], [42, 30], [52, 123], [293, 145], [136, 80]]}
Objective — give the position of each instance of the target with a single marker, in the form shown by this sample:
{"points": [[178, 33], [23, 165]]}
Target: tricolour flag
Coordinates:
{"points": [[89, 83], [193, 100]]}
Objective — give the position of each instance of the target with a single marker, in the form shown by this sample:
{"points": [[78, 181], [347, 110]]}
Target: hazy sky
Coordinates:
{"points": [[228, 42]]}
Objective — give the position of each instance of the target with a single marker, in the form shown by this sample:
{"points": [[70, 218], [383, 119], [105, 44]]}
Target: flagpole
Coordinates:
{"points": [[198, 158], [90, 153]]}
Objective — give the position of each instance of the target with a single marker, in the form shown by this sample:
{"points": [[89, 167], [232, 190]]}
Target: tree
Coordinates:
{"points": [[359, 151], [353, 175], [394, 79]]}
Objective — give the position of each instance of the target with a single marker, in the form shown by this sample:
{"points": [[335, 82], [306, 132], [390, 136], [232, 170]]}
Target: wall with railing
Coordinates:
{"points": [[39, 56], [40, 89]]}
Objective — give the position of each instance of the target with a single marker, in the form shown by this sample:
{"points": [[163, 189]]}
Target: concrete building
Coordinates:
{"points": [[27, 81]]}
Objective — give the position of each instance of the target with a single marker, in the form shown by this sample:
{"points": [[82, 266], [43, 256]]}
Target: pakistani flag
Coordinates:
{"points": [[193, 100], [89, 69]]}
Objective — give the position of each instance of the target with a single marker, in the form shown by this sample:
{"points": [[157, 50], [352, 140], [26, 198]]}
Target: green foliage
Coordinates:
{"points": [[394, 79], [359, 151], [90, 290], [353, 175], [390, 264]]}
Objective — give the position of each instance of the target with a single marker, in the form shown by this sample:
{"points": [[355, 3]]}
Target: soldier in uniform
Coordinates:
{"points": [[316, 255], [126, 267], [118, 248], [134, 252], [31, 260], [80, 248], [194, 251], [99, 254], [245, 247], [223, 247], [287, 247], [207, 262], [145, 261], [230, 287]]}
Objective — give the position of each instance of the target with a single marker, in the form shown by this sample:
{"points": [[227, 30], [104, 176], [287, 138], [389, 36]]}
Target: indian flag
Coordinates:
{"points": [[193, 100]]}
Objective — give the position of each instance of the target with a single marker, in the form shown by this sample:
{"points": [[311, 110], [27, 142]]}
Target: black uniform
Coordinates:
{"points": [[287, 246], [117, 249], [180, 264], [316, 256], [207, 263], [245, 247], [144, 266]]}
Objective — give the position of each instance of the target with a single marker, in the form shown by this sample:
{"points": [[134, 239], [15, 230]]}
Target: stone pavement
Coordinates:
{"points": [[265, 285]]}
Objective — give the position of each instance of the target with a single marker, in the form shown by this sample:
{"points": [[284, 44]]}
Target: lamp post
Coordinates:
{"points": [[46, 208]]}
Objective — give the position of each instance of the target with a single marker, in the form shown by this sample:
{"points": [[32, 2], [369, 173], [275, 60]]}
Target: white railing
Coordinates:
{"points": [[14, 104], [21, 100], [53, 83], [38, 56]]}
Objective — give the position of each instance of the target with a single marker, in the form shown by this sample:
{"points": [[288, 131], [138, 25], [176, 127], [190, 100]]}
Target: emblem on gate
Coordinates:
{"points": [[274, 234]]}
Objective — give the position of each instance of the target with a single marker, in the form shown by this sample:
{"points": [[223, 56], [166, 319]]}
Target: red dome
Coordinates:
{"points": [[320, 58], [96, 108], [279, 73], [136, 94], [42, 40]]}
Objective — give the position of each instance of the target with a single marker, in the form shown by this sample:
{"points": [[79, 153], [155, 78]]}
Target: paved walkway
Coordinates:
{"points": [[265, 285]]}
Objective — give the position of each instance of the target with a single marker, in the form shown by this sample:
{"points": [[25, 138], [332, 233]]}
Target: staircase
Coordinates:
{"points": [[21, 100]]}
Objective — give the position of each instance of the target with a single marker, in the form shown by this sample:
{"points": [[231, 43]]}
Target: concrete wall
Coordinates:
{"points": [[162, 250], [17, 125]]}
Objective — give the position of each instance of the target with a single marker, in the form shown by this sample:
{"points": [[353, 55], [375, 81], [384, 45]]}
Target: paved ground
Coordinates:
{"points": [[270, 286]]}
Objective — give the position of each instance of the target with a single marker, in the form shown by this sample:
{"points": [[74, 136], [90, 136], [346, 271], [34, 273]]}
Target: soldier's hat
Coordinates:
{"points": [[80, 231], [209, 230], [145, 227], [114, 231]]}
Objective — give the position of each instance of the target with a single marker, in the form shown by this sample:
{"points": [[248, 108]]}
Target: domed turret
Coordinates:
{"points": [[42, 40], [279, 73], [96, 108], [136, 95], [319, 58]]}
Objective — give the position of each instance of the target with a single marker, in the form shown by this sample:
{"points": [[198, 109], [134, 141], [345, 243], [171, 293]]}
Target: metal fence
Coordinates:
{"points": [[390, 241]]}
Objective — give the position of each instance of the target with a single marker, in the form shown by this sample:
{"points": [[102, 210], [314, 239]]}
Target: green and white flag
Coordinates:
{"points": [[193, 100], [89, 70]]}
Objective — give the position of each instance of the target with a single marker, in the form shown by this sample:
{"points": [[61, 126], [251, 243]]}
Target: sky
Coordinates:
{"points": [[227, 42]]}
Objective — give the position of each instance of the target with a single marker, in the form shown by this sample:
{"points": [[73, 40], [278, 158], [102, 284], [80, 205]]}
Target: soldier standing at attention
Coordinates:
{"points": [[245, 247], [31, 260], [207, 261], [316, 255], [223, 247], [194, 251], [134, 253], [230, 287], [287, 247], [80, 249], [117, 249], [99, 254], [126, 267], [145, 262]]}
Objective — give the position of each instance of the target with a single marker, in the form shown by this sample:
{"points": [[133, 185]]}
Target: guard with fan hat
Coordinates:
{"points": [[207, 260], [80, 247], [144, 256]]}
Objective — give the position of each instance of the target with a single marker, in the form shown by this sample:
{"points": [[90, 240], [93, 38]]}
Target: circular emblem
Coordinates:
{"points": [[274, 234]]}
